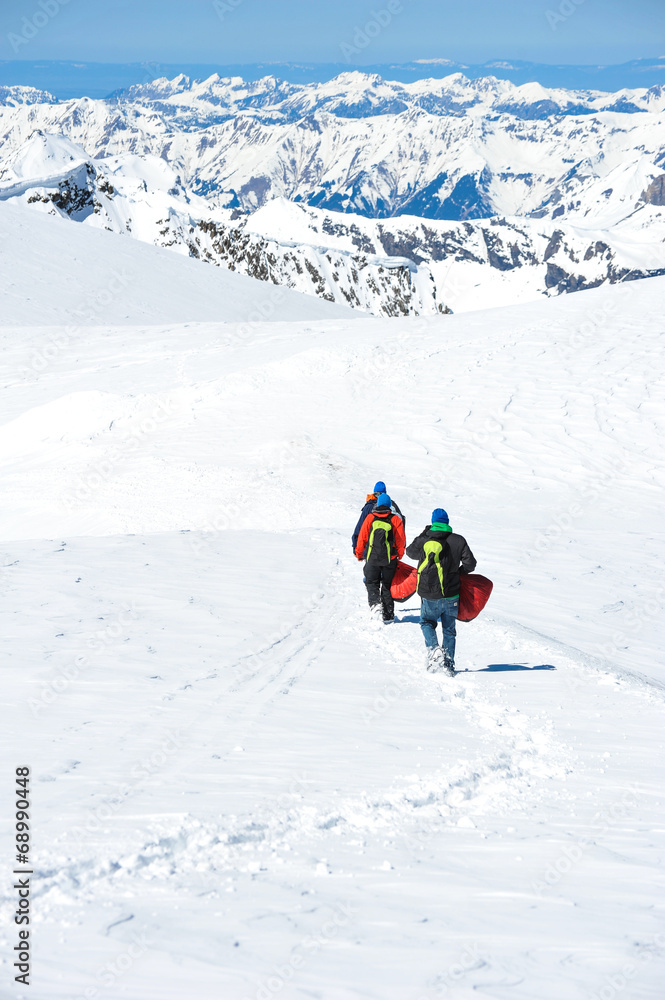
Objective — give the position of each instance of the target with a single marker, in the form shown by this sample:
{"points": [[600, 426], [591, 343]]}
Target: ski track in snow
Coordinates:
{"points": [[519, 767]]}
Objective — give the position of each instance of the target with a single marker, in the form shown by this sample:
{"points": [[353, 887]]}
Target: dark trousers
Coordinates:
{"points": [[378, 580]]}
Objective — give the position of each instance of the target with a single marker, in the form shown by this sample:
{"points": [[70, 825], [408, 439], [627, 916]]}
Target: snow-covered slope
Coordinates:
{"points": [[55, 272], [243, 787]]}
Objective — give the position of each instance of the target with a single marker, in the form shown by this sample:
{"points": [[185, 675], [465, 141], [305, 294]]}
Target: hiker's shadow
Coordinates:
{"points": [[498, 667], [410, 618]]}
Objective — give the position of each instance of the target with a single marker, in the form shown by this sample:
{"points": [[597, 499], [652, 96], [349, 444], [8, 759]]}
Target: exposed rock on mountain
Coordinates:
{"points": [[391, 286], [655, 193], [396, 198]]}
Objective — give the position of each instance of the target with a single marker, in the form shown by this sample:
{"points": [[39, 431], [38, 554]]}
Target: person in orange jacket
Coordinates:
{"points": [[370, 504], [381, 543]]}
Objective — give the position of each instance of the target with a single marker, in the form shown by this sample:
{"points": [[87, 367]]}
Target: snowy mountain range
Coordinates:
{"points": [[69, 79], [361, 95], [394, 198]]}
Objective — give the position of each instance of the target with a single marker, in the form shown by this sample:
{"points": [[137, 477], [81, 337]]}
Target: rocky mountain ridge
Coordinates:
{"points": [[404, 212]]}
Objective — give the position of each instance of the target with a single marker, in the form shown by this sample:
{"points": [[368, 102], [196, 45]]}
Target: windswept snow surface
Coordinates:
{"points": [[242, 787]]}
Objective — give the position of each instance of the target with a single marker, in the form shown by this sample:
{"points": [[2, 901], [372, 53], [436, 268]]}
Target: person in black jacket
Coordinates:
{"points": [[370, 505], [441, 556]]}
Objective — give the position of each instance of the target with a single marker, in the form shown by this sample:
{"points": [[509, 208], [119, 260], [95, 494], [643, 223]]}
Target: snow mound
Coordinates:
{"points": [[44, 154], [76, 417]]}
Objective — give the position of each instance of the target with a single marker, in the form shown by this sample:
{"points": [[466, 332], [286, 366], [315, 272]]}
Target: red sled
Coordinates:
{"points": [[474, 594], [405, 582], [475, 590]]}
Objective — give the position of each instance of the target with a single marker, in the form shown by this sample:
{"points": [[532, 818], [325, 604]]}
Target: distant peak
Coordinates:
{"points": [[357, 76], [438, 62]]}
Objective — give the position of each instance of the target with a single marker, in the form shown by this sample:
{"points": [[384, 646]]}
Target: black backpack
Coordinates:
{"points": [[381, 540]]}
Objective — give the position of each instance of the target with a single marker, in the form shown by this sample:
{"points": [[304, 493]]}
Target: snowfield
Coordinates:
{"points": [[242, 787]]}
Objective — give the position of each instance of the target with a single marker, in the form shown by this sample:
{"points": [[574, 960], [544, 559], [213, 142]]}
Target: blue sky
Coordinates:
{"points": [[237, 31]]}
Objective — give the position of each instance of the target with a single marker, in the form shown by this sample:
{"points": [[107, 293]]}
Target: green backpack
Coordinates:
{"points": [[433, 555]]}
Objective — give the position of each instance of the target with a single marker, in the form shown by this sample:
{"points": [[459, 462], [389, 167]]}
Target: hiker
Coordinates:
{"points": [[381, 543], [441, 556], [370, 504]]}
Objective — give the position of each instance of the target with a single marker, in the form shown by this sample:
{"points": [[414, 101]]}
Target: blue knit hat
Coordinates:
{"points": [[439, 516], [379, 487], [384, 501]]}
